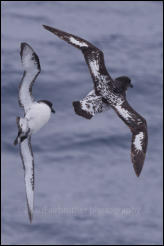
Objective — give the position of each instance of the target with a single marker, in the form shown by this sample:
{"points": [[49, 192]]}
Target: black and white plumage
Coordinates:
{"points": [[36, 115], [108, 93], [90, 105]]}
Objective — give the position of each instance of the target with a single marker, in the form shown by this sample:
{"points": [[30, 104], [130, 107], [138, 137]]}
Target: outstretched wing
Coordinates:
{"points": [[90, 105], [93, 56], [28, 164], [138, 127], [31, 66]]}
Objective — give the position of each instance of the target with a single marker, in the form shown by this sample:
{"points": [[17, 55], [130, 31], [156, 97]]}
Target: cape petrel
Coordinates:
{"points": [[36, 115], [108, 93]]}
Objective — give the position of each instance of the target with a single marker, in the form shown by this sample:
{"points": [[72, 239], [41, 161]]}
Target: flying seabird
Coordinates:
{"points": [[108, 93], [36, 115]]}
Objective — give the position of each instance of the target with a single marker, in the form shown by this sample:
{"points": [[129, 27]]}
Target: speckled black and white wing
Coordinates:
{"points": [[90, 105], [93, 56], [28, 165], [31, 66], [138, 127]]}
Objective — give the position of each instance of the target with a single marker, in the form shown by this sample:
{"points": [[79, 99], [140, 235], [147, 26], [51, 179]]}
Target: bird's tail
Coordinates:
{"points": [[80, 111]]}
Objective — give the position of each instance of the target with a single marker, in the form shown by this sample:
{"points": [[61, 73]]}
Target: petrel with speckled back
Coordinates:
{"points": [[108, 93]]}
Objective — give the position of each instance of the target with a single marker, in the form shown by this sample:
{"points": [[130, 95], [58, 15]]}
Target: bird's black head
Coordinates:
{"points": [[49, 104], [125, 80], [121, 84]]}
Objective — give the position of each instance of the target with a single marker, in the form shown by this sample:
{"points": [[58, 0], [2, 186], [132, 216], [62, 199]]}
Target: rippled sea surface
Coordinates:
{"points": [[86, 191]]}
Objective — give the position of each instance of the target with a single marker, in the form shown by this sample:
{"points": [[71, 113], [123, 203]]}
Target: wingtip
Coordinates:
{"points": [[138, 162], [30, 215], [23, 44], [22, 47], [137, 174], [47, 27], [29, 57], [56, 31], [30, 218], [44, 25], [138, 169]]}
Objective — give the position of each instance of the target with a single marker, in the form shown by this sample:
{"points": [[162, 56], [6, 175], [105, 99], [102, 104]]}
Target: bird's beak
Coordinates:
{"points": [[52, 110], [131, 85]]}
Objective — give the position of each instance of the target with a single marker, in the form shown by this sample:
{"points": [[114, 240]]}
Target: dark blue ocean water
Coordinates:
{"points": [[86, 191]]}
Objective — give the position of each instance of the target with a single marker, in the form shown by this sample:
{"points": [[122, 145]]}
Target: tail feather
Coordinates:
{"points": [[78, 110]]}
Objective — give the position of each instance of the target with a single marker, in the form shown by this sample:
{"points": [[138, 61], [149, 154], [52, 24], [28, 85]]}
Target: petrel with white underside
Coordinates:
{"points": [[108, 93], [36, 115]]}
